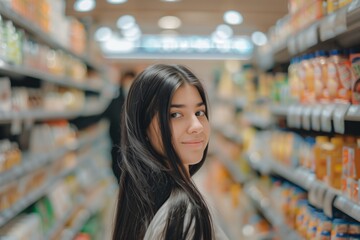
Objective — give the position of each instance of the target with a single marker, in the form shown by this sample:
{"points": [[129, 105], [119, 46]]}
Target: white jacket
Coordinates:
{"points": [[157, 224]]}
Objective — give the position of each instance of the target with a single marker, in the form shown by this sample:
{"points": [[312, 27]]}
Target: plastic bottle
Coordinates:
{"points": [[348, 165], [355, 82], [332, 6], [345, 76], [320, 73], [2, 40], [339, 229], [309, 79], [319, 156], [325, 235], [294, 79], [334, 162], [332, 85]]}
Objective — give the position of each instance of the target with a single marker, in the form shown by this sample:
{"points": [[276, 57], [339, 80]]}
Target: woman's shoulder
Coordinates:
{"points": [[157, 225]]}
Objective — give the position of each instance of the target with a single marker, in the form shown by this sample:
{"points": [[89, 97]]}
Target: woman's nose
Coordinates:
{"points": [[195, 126]]}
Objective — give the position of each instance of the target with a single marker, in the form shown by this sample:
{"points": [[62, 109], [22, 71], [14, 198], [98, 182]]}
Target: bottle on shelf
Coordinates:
{"points": [[334, 162], [319, 156], [320, 73], [355, 82]]}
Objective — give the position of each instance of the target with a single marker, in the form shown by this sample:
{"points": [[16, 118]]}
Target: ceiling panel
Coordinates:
{"points": [[199, 17]]}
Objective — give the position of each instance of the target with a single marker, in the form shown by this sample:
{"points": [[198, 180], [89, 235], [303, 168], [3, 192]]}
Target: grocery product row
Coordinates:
{"points": [[47, 101], [312, 25], [58, 184], [47, 25], [300, 194]]}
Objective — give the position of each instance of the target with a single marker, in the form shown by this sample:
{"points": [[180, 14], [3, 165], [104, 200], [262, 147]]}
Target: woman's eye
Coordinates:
{"points": [[200, 113], [175, 115]]}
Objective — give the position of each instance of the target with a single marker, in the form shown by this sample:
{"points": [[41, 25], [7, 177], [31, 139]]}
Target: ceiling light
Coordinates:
{"points": [[84, 5], [233, 17], [170, 0], [116, 1], [224, 31], [169, 22], [132, 32], [259, 38], [103, 34], [118, 45], [125, 22]]}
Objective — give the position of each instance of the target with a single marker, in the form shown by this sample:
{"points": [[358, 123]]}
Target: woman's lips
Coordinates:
{"points": [[193, 143]]}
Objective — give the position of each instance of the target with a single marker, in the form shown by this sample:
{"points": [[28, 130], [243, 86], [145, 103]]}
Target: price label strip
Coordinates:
{"points": [[347, 207], [311, 36], [330, 196], [326, 27], [339, 117], [291, 44], [306, 117], [290, 116], [353, 114], [326, 117], [315, 117]]}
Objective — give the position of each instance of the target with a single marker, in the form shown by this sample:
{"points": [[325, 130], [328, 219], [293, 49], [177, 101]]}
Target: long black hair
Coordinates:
{"points": [[148, 177]]}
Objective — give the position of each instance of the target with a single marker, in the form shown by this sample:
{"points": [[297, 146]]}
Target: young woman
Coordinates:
{"points": [[164, 142]]}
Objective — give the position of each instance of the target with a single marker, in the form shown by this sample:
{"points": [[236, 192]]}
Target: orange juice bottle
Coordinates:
{"points": [[320, 73], [345, 77], [319, 156], [308, 78], [357, 160], [334, 162], [333, 81], [294, 83], [348, 165]]}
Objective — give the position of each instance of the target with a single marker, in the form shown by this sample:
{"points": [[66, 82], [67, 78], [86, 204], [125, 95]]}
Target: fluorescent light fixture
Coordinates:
{"points": [[116, 1], [125, 22], [103, 34], [224, 31], [118, 45], [259, 38], [84, 5], [170, 0], [169, 22], [133, 32], [233, 17], [201, 44]]}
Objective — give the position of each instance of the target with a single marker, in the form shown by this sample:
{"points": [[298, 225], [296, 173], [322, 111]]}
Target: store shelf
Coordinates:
{"points": [[61, 223], [319, 117], [39, 34], [339, 29], [264, 205], [238, 103], [88, 110], [319, 194], [21, 71], [231, 166], [25, 202], [30, 163], [90, 207], [258, 120], [348, 207], [229, 132]]}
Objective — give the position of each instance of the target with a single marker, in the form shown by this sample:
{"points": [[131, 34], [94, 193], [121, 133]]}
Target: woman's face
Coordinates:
{"points": [[189, 125]]}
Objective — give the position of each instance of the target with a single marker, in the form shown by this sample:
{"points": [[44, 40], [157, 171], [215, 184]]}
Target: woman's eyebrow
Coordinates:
{"points": [[183, 105]]}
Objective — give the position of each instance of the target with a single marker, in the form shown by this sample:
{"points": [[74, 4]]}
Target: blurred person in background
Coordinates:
{"points": [[112, 113]]}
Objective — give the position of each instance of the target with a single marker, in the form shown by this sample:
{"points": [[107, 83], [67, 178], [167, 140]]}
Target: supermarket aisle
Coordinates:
{"points": [[286, 126]]}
